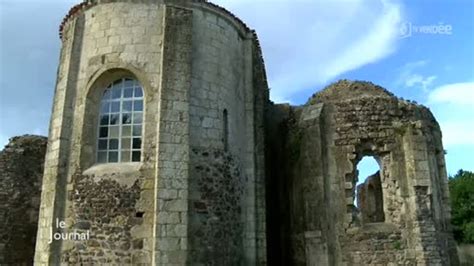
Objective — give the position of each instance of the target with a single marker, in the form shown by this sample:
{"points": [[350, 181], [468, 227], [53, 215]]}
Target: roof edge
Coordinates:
{"points": [[78, 9]]}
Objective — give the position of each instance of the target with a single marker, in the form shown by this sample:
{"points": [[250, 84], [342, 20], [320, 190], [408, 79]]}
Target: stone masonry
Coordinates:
{"points": [[370, 200], [21, 169], [197, 194], [225, 176], [316, 148]]}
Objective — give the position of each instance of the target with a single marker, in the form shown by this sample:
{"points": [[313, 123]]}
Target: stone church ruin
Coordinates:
{"points": [[164, 149], [311, 154]]}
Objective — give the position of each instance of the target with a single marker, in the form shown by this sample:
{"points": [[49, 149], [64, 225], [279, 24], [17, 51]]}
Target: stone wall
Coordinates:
{"points": [[106, 211], [21, 171], [171, 243], [194, 61], [101, 44], [223, 171], [321, 144], [370, 200], [368, 120], [216, 207], [228, 77], [466, 254]]}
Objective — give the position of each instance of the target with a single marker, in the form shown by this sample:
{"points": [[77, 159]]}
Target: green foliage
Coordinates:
{"points": [[397, 245], [461, 187]]}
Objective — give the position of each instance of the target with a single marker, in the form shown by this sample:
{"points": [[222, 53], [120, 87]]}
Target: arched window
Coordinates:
{"points": [[369, 195], [120, 122]]}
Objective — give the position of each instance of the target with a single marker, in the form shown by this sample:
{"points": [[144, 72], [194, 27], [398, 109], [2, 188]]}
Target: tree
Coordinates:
{"points": [[461, 187]]}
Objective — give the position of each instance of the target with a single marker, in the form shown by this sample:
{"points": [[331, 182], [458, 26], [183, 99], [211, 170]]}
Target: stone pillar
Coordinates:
{"points": [[423, 234], [53, 196], [310, 152], [171, 221]]}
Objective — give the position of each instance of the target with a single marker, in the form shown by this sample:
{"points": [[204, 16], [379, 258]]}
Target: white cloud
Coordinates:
{"points": [[308, 43], [458, 132], [410, 76], [457, 93], [417, 79], [453, 106]]}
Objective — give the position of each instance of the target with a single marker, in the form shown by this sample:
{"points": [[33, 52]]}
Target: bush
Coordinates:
{"points": [[461, 187]]}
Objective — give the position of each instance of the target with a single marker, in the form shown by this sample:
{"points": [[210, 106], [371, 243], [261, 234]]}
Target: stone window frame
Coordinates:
{"points": [[350, 177], [97, 84]]}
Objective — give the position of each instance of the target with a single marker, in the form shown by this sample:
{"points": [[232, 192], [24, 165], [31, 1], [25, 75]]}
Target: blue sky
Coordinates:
{"points": [[306, 44]]}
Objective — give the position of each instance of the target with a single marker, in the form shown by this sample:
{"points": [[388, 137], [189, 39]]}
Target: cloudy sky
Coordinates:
{"points": [[420, 50]]}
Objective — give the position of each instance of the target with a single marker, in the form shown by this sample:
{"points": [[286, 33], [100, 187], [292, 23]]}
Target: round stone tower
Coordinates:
{"points": [[155, 149]]}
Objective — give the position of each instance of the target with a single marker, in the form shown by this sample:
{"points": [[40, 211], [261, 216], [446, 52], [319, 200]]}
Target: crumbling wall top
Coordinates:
{"points": [[347, 90]]}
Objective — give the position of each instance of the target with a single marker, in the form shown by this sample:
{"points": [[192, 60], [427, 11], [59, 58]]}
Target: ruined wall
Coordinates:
{"points": [[216, 208], [21, 171], [298, 194], [370, 200], [105, 209], [325, 139], [370, 121]]}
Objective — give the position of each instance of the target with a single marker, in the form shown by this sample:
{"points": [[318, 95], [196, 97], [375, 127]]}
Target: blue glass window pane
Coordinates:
{"points": [[115, 107], [113, 157], [137, 143], [128, 93], [116, 93], [102, 157], [103, 132], [138, 105], [103, 144], [137, 118], [136, 156], [107, 94], [126, 131], [114, 119], [125, 157], [128, 83], [137, 130], [126, 118], [114, 132], [138, 92], [113, 144], [126, 143], [127, 106], [105, 107], [104, 120]]}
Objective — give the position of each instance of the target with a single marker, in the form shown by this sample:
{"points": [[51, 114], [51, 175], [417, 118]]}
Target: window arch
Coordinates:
{"points": [[120, 122]]}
